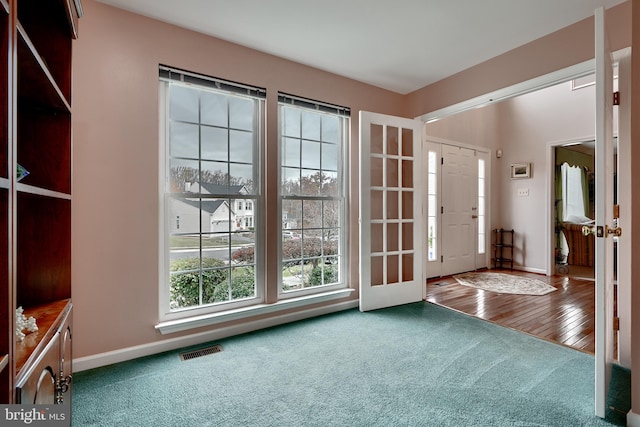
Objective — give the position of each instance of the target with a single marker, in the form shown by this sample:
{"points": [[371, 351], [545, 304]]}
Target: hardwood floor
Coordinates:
{"points": [[565, 316]]}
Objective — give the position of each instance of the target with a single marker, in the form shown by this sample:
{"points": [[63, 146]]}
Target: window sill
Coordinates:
{"points": [[246, 312]]}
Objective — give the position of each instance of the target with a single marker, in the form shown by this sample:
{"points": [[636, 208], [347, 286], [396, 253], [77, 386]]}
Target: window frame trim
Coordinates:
{"points": [[343, 114], [165, 314], [280, 307]]}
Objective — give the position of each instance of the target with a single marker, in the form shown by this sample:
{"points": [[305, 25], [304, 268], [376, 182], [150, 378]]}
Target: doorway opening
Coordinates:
{"points": [[515, 131], [573, 208]]}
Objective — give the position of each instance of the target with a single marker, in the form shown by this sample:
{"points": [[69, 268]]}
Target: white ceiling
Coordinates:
{"points": [[400, 45]]}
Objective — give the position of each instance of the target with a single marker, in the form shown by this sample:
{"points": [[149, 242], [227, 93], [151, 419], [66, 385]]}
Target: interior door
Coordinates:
{"points": [[390, 211], [604, 214], [459, 209]]}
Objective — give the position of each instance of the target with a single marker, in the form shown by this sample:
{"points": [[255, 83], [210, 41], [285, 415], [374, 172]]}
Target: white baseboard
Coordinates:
{"points": [[633, 420], [522, 268], [129, 353], [530, 269]]}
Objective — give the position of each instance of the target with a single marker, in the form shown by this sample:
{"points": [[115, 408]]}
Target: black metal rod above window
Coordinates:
{"points": [[176, 75], [313, 105]]}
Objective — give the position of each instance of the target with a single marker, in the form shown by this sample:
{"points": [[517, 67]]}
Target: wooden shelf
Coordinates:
{"points": [[36, 85], [30, 189], [48, 318]]}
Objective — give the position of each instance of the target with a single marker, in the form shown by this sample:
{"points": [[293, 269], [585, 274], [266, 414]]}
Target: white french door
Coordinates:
{"points": [[604, 215], [390, 211]]}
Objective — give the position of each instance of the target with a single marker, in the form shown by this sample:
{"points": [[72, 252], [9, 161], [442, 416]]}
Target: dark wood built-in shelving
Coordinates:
{"points": [[35, 213], [7, 304]]}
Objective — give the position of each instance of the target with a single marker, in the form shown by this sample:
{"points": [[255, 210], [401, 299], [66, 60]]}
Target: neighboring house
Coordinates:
{"points": [[219, 215], [288, 223]]}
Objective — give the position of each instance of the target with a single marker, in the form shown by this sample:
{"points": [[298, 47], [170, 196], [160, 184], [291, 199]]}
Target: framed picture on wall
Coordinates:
{"points": [[520, 170]]}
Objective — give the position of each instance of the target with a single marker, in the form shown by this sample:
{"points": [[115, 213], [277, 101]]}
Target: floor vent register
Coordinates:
{"points": [[201, 352]]}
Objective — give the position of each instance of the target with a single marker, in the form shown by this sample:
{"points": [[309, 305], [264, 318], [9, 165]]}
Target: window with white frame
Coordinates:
{"points": [[313, 139], [432, 203], [482, 234], [212, 131]]}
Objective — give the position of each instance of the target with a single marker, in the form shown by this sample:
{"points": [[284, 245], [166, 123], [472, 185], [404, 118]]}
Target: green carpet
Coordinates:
{"points": [[413, 365]]}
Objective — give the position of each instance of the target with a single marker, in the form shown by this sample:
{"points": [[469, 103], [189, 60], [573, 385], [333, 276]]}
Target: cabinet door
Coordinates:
{"points": [[39, 383]]}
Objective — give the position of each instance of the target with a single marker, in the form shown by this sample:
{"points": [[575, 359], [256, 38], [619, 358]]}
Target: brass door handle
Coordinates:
{"points": [[588, 229], [617, 231], [600, 232]]}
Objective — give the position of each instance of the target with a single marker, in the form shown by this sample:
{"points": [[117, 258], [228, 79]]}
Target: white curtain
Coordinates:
{"points": [[573, 193], [574, 190]]}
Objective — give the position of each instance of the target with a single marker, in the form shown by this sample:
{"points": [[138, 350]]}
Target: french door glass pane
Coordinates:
{"points": [[393, 243], [392, 141], [392, 173]]}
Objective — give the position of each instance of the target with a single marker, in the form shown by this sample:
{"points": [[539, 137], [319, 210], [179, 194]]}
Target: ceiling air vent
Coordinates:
{"points": [[201, 352]]}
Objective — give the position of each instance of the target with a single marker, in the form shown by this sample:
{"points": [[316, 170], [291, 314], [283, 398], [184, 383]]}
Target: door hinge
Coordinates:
{"points": [[616, 98], [442, 160], [441, 209], [441, 258], [616, 211], [616, 323]]}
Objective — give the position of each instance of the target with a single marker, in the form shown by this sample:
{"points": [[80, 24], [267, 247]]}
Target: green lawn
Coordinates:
{"points": [[188, 242]]}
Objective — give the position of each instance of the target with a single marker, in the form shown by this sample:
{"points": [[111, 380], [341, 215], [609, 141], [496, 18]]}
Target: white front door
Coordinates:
{"points": [[390, 211], [459, 209], [604, 215]]}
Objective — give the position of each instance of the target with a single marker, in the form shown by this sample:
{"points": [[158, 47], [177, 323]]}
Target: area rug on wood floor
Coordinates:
{"points": [[504, 283]]}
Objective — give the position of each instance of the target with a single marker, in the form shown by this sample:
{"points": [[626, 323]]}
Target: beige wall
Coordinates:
{"points": [[569, 46], [115, 154]]}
